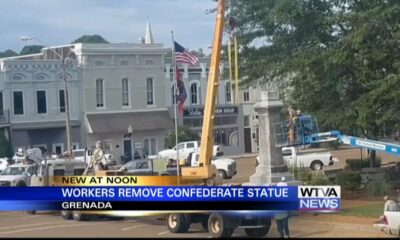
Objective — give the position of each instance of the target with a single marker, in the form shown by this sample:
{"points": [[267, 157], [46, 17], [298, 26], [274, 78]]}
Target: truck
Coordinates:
{"points": [[227, 168], [391, 222], [184, 149], [85, 155], [148, 167], [314, 160], [16, 175]]}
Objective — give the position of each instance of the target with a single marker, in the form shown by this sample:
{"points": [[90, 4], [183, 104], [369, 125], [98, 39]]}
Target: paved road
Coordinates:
{"points": [[20, 224]]}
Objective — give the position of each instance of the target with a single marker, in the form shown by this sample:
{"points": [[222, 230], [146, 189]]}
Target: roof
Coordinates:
{"points": [[119, 122]]}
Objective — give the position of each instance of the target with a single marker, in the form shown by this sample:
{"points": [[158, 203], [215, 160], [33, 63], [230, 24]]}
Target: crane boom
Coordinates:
{"points": [[206, 169]]}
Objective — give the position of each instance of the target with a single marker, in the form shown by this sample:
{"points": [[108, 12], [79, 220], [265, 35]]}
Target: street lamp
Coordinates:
{"points": [[63, 63]]}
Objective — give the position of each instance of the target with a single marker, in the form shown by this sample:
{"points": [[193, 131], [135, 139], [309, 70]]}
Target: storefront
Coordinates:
{"points": [[228, 128]]}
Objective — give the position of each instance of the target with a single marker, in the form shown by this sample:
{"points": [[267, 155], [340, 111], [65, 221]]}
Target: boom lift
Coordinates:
{"points": [[217, 223]]}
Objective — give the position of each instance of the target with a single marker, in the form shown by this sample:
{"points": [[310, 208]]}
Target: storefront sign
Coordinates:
{"points": [[198, 112]]}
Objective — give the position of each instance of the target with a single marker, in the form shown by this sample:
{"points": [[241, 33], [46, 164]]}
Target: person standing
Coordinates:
{"points": [[282, 218], [97, 157]]}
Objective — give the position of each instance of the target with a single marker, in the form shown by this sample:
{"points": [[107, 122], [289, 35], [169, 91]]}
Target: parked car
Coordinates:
{"points": [[148, 167], [3, 164], [316, 161], [16, 175], [184, 149], [226, 167]]}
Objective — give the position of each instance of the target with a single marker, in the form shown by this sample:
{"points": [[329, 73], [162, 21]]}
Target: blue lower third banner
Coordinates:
{"points": [[187, 198]]}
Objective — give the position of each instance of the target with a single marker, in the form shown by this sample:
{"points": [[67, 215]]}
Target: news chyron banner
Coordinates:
{"points": [[117, 193]]}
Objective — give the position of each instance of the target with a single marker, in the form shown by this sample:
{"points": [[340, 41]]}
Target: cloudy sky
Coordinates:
{"points": [[58, 22]]}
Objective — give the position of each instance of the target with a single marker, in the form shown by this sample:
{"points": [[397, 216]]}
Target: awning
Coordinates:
{"points": [[119, 122]]}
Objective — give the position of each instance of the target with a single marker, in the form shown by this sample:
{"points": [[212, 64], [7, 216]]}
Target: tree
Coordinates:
{"points": [[184, 134], [90, 39], [8, 53], [340, 58], [31, 49]]}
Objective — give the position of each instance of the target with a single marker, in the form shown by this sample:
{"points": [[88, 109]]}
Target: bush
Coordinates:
{"points": [[358, 164], [378, 188], [184, 134], [348, 180], [331, 145], [309, 177]]}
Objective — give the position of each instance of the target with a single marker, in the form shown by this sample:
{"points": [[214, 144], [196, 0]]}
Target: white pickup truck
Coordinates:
{"points": [[391, 222], [316, 161], [226, 167], [184, 149]]}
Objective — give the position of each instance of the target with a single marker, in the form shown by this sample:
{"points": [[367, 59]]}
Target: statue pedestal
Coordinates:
{"points": [[271, 167]]}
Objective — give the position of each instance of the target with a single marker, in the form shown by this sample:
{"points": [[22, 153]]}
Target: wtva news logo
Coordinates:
{"points": [[319, 198]]}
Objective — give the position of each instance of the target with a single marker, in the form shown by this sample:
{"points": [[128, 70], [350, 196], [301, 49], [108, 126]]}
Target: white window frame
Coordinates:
{"points": [[128, 90], [149, 139], [147, 97], [198, 96], [23, 102], [226, 93], [76, 144], [59, 102], [104, 93], [54, 145], [244, 96], [37, 103]]}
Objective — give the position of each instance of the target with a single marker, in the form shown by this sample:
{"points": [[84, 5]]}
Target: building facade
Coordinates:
{"points": [[32, 95], [124, 98]]}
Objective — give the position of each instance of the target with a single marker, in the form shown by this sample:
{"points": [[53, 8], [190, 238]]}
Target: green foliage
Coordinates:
{"points": [[5, 146], [90, 39], [358, 164], [345, 51], [309, 177], [31, 49], [379, 187], [348, 180], [184, 134], [8, 53]]}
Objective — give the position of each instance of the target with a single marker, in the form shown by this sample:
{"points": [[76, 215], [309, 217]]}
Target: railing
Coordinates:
{"points": [[4, 116]]}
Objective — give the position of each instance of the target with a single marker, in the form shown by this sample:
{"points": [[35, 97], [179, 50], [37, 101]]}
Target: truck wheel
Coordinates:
{"points": [[178, 222], [317, 165], [66, 214], [78, 216], [222, 174], [31, 212], [217, 226], [21, 184], [257, 232]]}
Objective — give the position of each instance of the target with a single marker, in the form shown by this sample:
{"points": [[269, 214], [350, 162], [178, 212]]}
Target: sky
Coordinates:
{"points": [[59, 22]]}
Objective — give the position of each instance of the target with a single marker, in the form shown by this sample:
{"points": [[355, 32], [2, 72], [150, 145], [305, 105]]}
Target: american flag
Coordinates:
{"points": [[183, 56], [181, 91]]}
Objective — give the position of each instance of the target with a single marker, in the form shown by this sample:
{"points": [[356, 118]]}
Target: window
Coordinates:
{"points": [[125, 92], [18, 103], [189, 145], [228, 96], [194, 93], [246, 121], [75, 146], [58, 148], [150, 89], [173, 94], [124, 62], [149, 62], [287, 152], [1, 103], [61, 98], [150, 147], [99, 93], [41, 101], [246, 96]]}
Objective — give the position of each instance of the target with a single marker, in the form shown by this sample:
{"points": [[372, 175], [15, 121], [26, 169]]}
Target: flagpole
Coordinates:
{"points": [[175, 104]]}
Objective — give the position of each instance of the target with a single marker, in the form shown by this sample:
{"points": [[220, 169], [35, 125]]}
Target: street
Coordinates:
{"points": [[50, 224]]}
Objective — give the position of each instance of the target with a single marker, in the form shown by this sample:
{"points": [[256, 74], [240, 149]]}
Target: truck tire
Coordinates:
{"points": [[66, 214], [178, 222], [78, 216], [257, 232], [31, 212], [222, 174], [217, 226], [21, 184], [317, 165], [204, 223]]}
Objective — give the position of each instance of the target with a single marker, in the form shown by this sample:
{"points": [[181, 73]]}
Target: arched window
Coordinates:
{"points": [[195, 93], [228, 92]]}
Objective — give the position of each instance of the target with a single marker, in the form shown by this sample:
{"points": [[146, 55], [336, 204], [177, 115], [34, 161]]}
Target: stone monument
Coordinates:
{"points": [[271, 166]]}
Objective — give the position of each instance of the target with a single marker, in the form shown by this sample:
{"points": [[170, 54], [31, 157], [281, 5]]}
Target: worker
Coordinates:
{"points": [[98, 158], [19, 156], [282, 218]]}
